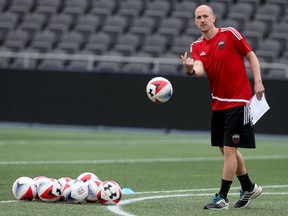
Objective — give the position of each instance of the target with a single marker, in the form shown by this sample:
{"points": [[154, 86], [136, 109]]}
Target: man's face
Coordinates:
{"points": [[204, 19]]}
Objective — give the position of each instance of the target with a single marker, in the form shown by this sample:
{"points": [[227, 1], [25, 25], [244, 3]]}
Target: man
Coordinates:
{"points": [[219, 53]]}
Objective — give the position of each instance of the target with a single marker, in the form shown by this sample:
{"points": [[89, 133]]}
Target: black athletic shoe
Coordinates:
{"points": [[218, 203], [247, 196]]}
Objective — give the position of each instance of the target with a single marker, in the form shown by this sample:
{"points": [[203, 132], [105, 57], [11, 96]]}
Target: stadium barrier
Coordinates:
{"points": [[120, 100]]}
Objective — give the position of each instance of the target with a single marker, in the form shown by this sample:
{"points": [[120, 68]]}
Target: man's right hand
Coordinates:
{"points": [[188, 64]]}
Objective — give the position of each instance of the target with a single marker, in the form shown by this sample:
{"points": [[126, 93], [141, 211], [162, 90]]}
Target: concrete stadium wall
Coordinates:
{"points": [[106, 99]]}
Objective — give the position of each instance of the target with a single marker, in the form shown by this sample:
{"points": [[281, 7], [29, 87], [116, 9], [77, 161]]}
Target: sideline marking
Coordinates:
{"points": [[118, 211], [151, 160]]}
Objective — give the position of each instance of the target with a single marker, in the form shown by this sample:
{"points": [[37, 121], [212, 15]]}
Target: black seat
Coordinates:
{"points": [[71, 42]]}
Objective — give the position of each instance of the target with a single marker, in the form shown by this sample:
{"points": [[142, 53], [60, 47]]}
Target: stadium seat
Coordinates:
{"points": [[43, 41], [4, 4], [241, 12], [48, 7], [269, 13], [155, 45], [157, 9], [255, 31], [127, 44], [71, 42], [87, 24], [59, 23], [192, 30], [16, 40], [33, 22], [269, 50], [280, 32], [142, 26], [184, 10], [75, 7], [103, 8], [181, 44], [228, 23], [8, 22], [52, 64], [137, 68], [170, 27], [219, 9], [131, 9], [80, 65], [21, 7], [115, 25], [98, 43]]}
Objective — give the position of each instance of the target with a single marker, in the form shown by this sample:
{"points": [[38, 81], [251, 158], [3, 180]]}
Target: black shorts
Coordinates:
{"points": [[228, 128]]}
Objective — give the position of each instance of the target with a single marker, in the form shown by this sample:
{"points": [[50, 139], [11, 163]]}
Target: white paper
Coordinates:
{"points": [[257, 108]]}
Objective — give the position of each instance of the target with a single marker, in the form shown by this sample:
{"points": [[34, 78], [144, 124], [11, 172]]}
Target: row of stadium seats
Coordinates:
{"points": [[134, 27]]}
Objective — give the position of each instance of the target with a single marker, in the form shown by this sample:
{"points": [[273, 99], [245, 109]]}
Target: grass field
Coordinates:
{"points": [[171, 174]]}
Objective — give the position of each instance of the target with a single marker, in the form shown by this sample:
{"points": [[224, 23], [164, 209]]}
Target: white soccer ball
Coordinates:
{"points": [[159, 90], [24, 188], [63, 181], [93, 185], [49, 190], [87, 176], [109, 193], [75, 191]]}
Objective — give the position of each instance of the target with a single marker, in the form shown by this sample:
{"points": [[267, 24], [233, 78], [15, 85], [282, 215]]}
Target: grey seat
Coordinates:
{"points": [[184, 10], [280, 32], [71, 42], [21, 7], [127, 44], [181, 44], [131, 8], [16, 40], [269, 50], [137, 68], [155, 44], [75, 7], [269, 13], [87, 24], [52, 64], [228, 23], [33, 22], [103, 8], [59, 23], [241, 12], [142, 26], [115, 25], [255, 31], [48, 7], [43, 41], [3, 5], [80, 65], [170, 27], [219, 9], [98, 43], [157, 9], [8, 22]]}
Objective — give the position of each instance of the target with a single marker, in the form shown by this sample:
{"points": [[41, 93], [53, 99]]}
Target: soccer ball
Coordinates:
{"points": [[93, 185], [49, 190], [159, 90], [87, 176], [75, 191], [63, 181], [109, 193], [24, 188]]}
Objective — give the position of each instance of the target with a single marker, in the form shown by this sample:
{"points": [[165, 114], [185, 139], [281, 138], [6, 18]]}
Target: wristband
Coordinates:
{"points": [[191, 74]]}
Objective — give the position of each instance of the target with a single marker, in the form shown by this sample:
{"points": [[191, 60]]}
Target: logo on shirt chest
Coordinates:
{"points": [[221, 45]]}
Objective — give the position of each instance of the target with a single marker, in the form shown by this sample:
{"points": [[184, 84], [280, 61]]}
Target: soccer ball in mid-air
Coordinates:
{"points": [[87, 176], [49, 190], [159, 90], [93, 185], [24, 188], [109, 193], [75, 191]]}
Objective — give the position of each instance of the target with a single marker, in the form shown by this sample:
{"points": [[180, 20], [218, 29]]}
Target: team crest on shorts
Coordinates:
{"points": [[236, 138]]}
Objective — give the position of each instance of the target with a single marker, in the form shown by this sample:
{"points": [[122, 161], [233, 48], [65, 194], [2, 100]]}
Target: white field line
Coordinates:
{"points": [[118, 210], [149, 160]]}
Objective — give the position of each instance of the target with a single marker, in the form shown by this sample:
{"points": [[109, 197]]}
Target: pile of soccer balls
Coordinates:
{"points": [[86, 188]]}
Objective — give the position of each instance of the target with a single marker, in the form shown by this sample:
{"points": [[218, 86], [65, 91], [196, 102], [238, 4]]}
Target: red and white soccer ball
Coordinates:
{"points": [[159, 90], [75, 191], [93, 185], [24, 188], [109, 193], [63, 181], [49, 190], [87, 176]]}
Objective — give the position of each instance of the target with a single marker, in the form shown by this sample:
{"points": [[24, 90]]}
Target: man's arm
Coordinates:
{"points": [[255, 68]]}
